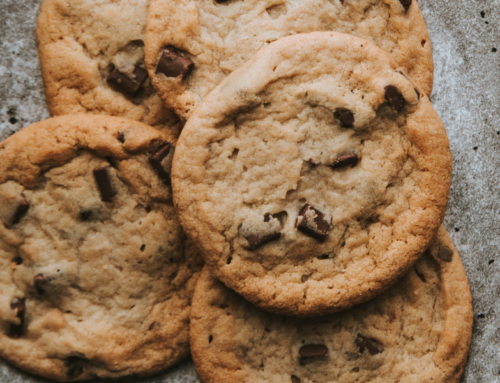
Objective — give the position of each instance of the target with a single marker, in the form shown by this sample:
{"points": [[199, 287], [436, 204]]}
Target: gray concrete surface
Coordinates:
{"points": [[465, 36]]}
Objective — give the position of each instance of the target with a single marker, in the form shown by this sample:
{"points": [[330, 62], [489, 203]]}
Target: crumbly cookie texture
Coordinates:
{"points": [[96, 276], [217, 37], [313, 177], [417, 331], [92, 59]]}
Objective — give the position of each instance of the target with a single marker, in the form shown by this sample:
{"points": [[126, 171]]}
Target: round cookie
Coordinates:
{"points": [[417, 331], [92, 60], [96, 276], [314, 176], [192, 45]]}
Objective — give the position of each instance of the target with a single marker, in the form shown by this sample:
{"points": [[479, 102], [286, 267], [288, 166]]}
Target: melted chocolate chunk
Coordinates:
{"points": [[74, 366], [344, 160], [16, 330], [103, 179], [394, 98], [295, 379], [254, 241], [172, 64], [126, 84], [406, 4], [85, 215], [21, 211], [157, 159], [312, 351], [368, 344], [346, 118], [316, 228], [445, 253], [40, 281]]}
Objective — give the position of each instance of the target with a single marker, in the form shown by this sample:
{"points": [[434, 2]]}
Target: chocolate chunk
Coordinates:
{"points": [[346, 118], [127, 84], [40, 281], [85, 215], [394, 97], [254, 241], [74, 366], [18, 260], [324, 256], [312, 351], [405, 3], [344, 160], [16, 330], [220, 1], [157, 160], [445, 253], [121, 137], [172, 64], [295, 379], [312, 222], [369, 344], [103, 179]]}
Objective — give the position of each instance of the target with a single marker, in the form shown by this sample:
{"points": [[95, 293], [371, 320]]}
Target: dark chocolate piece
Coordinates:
{"points": [[85, 215], [40, 281], [405, 3], [254, 241], [295, 379], [317, 229], [103, 179], [368, 344], [74, 366], [345, 117], [172, 64], [16, 331], [220, 1], [394, 97], [21, 211], [126, 84], [344, 160], [312, 351], [157, 159], [445, 253]]}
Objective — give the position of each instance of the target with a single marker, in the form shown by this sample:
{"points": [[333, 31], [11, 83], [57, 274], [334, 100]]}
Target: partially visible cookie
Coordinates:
{"points": [[96, 276], [314, 176], [192, 45], [92, 59], [417, 331]]}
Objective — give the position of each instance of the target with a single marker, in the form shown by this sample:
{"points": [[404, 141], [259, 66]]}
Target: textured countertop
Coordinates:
{"points": [[465, 35]]}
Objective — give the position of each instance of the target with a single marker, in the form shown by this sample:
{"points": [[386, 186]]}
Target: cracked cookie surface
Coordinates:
{"points": [[96, 274], [417, 331], [314, 176], [92, 60], [218, 37]]}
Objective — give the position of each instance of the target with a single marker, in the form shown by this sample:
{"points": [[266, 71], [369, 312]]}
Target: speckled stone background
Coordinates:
{"points": [[465, 36]]}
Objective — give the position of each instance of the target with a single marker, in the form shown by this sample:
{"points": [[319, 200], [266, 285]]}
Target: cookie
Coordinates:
{"points": [[92, 60], [417, 331], [314, 176], [192, 45], [96, 276]]}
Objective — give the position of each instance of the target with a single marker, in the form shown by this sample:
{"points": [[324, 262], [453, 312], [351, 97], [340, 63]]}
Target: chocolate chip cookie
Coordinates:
{"points": [[417, 331], [96, 276], [192, 45], [92, 59], [314, 176]]}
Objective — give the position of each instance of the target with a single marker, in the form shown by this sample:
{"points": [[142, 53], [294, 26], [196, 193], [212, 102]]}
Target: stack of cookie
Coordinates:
{"points": [[290, 145]]}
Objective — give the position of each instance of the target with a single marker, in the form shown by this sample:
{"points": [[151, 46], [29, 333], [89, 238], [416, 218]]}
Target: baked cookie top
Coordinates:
{"points": [[92, 60], [314, 176], [417, 331], [96, 276], [192, 45]]}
